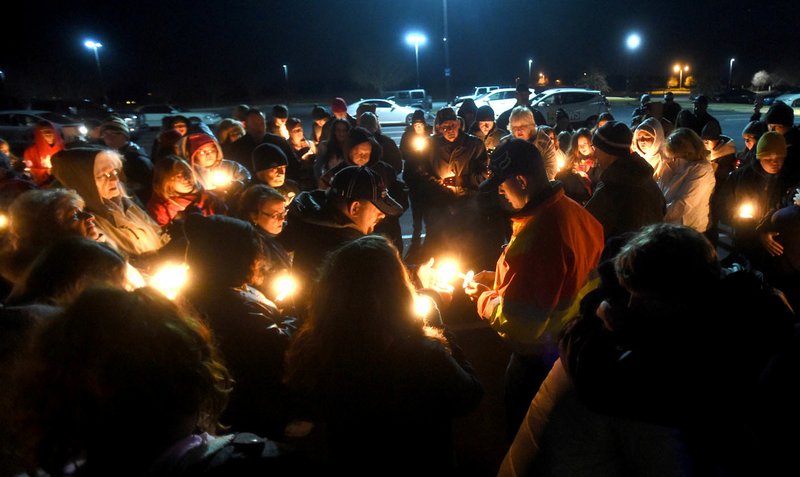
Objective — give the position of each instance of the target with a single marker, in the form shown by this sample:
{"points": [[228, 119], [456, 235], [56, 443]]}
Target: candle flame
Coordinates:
{"points": [[423, 306], [747, 211], [420, 143], [220, 178], [468, 279], [560, 163], [3, 221], [133, 278], [170, 279], [284, 286]]}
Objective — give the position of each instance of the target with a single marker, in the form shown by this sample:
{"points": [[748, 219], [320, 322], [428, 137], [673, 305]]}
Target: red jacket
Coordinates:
{"points": [[543, 271]]}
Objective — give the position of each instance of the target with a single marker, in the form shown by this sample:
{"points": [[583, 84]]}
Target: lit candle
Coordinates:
{"points": [[422, 306], [220, 178], [133, 278], [468, 279], [560, 162], [420, 143], [747, 211], [284, 286], [170, 279], [3, 221]]}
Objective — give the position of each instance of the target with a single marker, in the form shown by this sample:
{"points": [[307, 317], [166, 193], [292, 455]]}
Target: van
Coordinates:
{"points": [[415, 98]]}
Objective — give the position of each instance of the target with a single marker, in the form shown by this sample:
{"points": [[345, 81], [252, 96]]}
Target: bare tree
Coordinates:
{"points": [[594, 79], [375, 68], [760, 80]]}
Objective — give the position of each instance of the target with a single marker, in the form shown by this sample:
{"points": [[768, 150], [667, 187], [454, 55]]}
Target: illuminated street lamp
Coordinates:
{"points": [[94, 45], [632, 42], [416, 39], [730, 73], [678, 68]]}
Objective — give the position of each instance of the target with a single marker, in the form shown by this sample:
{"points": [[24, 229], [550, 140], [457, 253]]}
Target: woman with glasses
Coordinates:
{"points": [[176, 192], [265, 208], [95, 174], [39, 218]]}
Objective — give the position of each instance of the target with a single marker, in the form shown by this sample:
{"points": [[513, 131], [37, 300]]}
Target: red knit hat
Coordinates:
{"points": [[196, 141], [338, 105]]}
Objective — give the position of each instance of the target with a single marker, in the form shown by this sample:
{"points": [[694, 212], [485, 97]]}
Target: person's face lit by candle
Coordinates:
{"points": [[360, 153], [106, 176], [273, 176], [270, 216], [514, 191], [772, 163]]}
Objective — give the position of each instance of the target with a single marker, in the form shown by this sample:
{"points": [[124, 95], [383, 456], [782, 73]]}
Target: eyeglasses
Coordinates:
{"points": [[207, 152], [114, 173], [276, 215], [447, 128], [79, 215]]}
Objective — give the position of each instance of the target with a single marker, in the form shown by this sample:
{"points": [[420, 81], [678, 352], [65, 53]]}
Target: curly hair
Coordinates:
{"points": [[117, 366]]}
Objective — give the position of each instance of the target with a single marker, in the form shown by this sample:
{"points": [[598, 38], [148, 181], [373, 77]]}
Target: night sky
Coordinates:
{"points": [[230, 50]]}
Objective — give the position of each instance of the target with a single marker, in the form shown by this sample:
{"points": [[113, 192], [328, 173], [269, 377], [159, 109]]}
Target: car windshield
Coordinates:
{"points": [[56, 118]]}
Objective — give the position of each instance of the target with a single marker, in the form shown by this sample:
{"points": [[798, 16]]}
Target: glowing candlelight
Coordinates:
{"points": [[422, 306], [284, 286], [170, 279], [420, 143], [560, 162], [133, 278], [445, 273], [3, 221], [468, 279], [747, 211], [220, 178]]}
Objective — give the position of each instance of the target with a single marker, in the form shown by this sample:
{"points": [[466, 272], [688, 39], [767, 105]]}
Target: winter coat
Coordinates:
{"points": [[166, 209], [687, 186], [656, 152], [138, 169], [313, 229], [723, 158], [554, 246], [627, 197], [38, 156], [126, 225]]}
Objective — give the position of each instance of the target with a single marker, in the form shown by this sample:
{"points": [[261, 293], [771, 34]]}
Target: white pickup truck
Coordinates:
{"points": [[476, 93]]}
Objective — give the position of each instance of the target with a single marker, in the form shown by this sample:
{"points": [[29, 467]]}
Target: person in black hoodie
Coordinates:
{"points": [[626, 197], [320, 221]]}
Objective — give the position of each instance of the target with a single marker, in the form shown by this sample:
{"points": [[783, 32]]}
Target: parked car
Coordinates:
{"points": [[82, 110], [500, 100], [735, 95], [388, 111], [415, 98], [477, 92], [582, 105], [769, 97], [790, 98], [154, 113], [16, 127]]}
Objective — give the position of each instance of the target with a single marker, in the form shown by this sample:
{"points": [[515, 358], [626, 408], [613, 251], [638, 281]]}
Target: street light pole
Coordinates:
{"points": [[286, 78], [530, 63], [730, 74], [633, 41], [416, 39], [447, 72], [94, 45]]}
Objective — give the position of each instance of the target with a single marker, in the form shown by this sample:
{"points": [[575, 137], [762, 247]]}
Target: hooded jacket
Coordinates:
{"points": [[125, 224], [204, 175], [314, 228], [38, 156], [652, 126], [723, 158], [627, 197], [687, 186]]}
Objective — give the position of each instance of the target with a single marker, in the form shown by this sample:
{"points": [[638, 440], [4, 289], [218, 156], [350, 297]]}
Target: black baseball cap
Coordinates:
{"points": [[511, 158], [362, 183]]}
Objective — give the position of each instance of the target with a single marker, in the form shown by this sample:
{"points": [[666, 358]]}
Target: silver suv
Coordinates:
{"points": [[582, 105]]}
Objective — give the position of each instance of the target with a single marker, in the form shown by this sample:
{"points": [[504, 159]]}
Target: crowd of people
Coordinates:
{"points": [[295, 332]]}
